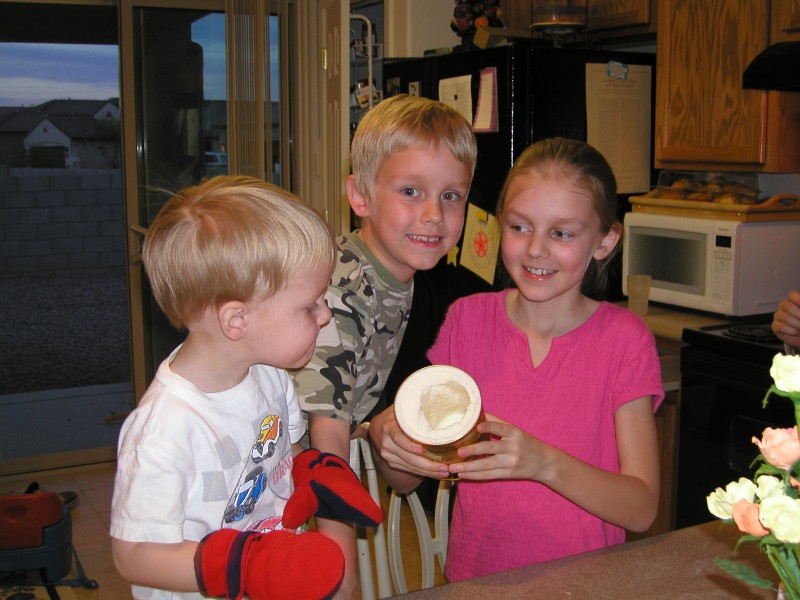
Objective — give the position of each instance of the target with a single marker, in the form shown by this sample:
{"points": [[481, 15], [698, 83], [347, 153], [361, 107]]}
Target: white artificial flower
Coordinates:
{"points": [[785, 371], [781, 515], [769, 486], [720, 502]]}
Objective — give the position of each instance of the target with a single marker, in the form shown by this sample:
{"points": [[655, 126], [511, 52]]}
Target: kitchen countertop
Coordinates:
{"points": [[668, 323], [678, 564]]}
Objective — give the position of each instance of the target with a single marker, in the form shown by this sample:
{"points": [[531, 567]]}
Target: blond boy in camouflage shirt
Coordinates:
{"points": [[412, 161]]}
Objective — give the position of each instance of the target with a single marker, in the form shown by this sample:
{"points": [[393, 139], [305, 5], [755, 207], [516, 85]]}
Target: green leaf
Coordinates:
{"points": [[766, 469], [744, 573], [745, 538]]}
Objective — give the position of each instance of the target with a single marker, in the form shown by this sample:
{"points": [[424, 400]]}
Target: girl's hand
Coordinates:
{"points": [[510, 454], [398, 451]]}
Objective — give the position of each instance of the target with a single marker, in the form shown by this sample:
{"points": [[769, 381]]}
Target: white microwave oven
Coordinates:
{"points": [[732, 268]]}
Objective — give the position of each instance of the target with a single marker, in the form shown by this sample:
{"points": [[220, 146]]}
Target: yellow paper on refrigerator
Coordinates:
{"points": [[481, 243]]}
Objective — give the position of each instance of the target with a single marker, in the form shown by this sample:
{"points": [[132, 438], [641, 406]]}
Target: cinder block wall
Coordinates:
{"points": [[60, 221]]}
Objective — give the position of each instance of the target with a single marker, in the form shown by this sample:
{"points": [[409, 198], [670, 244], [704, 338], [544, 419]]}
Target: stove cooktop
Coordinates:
{"points": [[738, 354], [747, 340]]}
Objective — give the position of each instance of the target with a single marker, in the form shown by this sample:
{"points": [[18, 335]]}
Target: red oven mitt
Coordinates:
{"points": [[268, 566], [326, 486]]}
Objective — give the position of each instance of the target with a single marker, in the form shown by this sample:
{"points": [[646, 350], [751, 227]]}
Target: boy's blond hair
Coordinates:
{"points": [[230, 238], [402, 122]]}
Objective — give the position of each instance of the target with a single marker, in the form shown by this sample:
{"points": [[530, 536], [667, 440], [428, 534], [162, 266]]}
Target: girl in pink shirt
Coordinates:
{"points": [[569, 384]]}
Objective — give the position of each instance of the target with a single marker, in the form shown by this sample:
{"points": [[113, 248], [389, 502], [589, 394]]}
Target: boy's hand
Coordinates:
{"points": [[268, 566], [326, 486], [400, 454]]}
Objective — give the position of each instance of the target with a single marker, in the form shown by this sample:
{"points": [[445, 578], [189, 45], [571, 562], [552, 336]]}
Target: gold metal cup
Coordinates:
{"points": [[441, 445]]}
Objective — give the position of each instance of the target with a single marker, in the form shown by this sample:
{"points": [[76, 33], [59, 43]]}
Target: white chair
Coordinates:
{"points": [[429, 545], [360, 448], [389, 566]]}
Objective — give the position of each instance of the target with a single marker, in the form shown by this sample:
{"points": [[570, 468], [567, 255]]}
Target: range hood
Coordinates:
{"points": [[776, 68]]}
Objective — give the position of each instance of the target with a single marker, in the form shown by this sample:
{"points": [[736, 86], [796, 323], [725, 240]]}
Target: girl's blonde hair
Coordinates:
{"points": [[402, 122], [573, 162], [230, 238]]}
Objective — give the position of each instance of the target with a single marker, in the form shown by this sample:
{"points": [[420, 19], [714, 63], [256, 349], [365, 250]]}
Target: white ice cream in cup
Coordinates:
{"points": [[440, 407]]}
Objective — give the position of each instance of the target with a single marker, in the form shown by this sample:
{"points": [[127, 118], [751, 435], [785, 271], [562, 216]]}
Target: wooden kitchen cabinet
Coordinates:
{"points": [[605, 19], [517, 15], [667, 425], [704, 119], [785, 21], [604, 15]]}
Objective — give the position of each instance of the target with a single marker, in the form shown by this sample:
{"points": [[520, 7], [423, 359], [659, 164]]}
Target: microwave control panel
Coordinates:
{"points": [[722, 267]]}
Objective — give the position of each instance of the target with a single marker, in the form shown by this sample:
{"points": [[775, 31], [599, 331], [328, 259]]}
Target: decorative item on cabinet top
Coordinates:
{"points": [[558, 17]]}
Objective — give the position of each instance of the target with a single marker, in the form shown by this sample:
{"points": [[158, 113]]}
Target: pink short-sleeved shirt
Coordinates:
{"points": [[568, 401]]}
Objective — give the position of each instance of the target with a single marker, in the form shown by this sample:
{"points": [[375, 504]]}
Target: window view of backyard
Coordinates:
{"points": [[65, 366], [64, 303]]}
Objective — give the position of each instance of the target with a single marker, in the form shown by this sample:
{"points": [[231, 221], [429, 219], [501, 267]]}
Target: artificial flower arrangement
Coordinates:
{"points": [[767, 508]]}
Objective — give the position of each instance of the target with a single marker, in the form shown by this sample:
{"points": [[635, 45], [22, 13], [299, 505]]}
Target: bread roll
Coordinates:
{"points": [[728, 199], [671, 194], [700, 196], [684, 183], [736, 187]]}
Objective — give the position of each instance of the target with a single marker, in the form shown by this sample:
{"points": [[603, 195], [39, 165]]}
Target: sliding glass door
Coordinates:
{"points": [[175, 102], [65, 369], [106, 108]]}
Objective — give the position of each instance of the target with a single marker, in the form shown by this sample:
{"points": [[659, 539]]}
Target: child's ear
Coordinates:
{"points": [[359, 201], [609, 242], [233, 319]]}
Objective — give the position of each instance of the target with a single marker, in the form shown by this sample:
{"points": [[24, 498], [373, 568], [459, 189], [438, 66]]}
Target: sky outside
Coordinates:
{"points": [[34, 73]]}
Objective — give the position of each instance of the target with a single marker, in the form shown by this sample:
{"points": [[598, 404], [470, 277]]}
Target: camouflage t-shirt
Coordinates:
{"points": [[357, 348]]}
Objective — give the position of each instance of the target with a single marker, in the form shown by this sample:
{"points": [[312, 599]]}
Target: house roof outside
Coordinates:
{"points": [[77, 119]]}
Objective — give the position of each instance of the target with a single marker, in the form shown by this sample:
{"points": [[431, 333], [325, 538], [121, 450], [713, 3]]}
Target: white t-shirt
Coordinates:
{"points": [[190, 462]]}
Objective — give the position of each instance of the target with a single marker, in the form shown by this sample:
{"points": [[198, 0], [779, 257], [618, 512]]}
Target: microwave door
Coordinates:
{"points": [[678, 254], [675, 259]]}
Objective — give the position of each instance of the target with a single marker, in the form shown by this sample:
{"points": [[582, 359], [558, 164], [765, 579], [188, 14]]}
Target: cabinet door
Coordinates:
{"points": [[611, 14], [702, 113], [785, 21], [667, 423], [517, 15]]}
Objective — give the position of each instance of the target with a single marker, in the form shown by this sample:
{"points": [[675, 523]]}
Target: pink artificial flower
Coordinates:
{"points": [[779, 447], [745, 515]]}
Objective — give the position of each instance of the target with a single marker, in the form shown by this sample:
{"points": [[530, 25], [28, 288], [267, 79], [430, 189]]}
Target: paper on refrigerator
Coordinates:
{"points": [[619, 121], [481, 245], [456, 92]]}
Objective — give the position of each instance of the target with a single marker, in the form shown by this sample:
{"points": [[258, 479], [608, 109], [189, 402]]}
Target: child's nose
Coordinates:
{"points": [[432, 212], [325, 314], [537, 245]]}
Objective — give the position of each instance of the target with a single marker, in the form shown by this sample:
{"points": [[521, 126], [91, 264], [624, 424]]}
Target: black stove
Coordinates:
{"points": [[724, 377], [755, 333], [737, 352]]}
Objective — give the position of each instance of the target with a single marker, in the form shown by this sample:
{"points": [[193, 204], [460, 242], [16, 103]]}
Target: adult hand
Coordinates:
{"points": [[786, 321]]}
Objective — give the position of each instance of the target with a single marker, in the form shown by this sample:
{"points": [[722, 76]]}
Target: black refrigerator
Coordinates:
{"points": [[541, 93]]}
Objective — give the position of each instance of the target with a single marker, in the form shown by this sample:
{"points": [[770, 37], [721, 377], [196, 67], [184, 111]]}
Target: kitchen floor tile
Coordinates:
{"points": [[90, 520]]}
